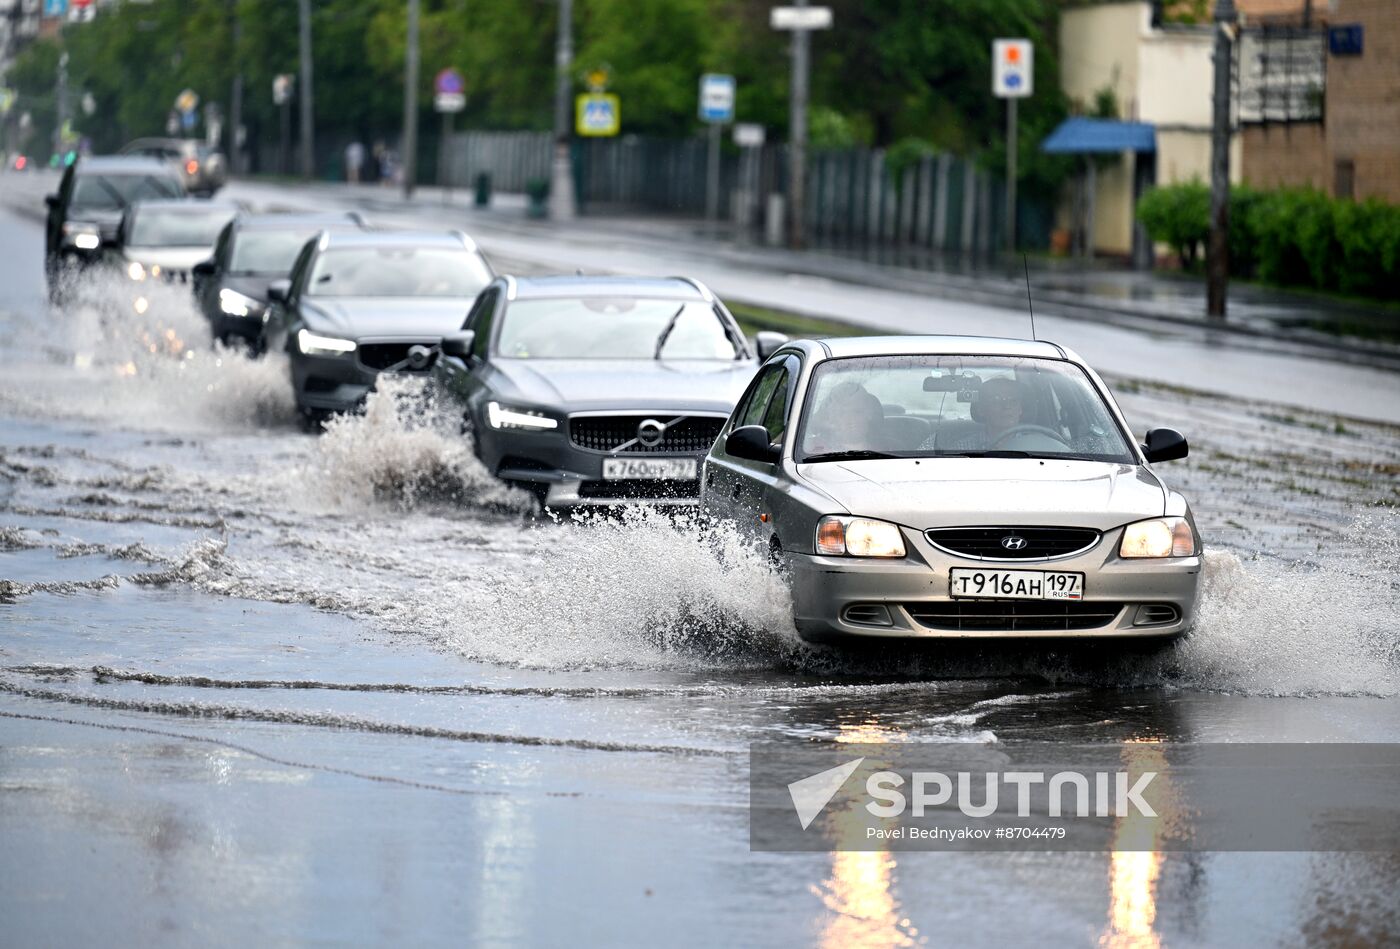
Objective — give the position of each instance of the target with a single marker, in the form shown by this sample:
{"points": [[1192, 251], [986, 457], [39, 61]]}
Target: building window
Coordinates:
{"points": [[1344, 179]]}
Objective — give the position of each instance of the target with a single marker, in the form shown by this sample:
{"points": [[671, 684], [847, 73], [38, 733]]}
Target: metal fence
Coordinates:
{"points": [[941, 202]]}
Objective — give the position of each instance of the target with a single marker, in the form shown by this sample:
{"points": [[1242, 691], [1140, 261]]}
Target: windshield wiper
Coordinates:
{"points": [[853, 454], [666, 333]]}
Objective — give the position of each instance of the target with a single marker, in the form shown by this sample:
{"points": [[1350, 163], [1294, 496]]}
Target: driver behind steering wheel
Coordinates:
{"points": [[1000, 404]]}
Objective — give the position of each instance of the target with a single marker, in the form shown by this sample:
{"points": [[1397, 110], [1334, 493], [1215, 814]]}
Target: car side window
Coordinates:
{"points": [[480, 321], [754, 405], [775, 418]]}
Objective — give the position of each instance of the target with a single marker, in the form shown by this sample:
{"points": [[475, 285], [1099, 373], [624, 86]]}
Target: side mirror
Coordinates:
{"points": [[51, 200], [205, 268], [279, 290], [767, 343], [459, 345], [751, 442], [1164, 444]]}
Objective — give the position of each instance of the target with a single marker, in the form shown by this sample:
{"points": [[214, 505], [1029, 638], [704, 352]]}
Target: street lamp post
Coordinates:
{"points": [[307, 111], [410, 102]]}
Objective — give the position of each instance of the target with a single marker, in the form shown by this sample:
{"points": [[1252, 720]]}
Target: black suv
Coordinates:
{"points": [[86, 211], [252, 251]]}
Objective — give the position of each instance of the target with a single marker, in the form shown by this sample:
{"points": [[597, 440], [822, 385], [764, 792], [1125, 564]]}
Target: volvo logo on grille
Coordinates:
{"points": [[1013, 542], [650, 432]]}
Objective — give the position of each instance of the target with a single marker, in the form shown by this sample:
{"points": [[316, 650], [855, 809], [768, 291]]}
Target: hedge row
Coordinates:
{"points": [[1297, 237]]}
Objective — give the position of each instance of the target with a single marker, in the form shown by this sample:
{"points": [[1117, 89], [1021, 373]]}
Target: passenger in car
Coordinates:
{"points": [[849, 419]]}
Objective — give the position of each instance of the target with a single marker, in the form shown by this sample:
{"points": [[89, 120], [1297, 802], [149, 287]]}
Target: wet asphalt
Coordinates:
{"points": [[259, 685]]}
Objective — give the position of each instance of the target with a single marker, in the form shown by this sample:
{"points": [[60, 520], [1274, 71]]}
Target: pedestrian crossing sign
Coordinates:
{"points": [[597, 114]]}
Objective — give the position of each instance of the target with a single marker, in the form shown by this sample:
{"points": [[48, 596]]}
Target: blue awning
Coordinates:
{"points": [[1081, 136]]}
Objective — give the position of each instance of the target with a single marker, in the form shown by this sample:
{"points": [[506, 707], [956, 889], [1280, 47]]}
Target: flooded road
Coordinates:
{"points": [[262, 685]]}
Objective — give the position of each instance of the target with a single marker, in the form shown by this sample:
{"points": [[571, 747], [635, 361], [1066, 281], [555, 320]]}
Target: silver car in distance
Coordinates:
{"points": [[955, 487]]}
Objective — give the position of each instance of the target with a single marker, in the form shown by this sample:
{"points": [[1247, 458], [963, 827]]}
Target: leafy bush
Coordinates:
{"points": [[1178, 215], [1293, 236]]}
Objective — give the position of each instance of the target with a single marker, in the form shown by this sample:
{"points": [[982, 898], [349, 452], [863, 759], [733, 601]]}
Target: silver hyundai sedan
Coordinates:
{"points": [[955, 487]]}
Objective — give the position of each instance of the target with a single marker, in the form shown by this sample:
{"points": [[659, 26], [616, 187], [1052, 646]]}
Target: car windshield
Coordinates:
{"points": [[171, 227], [614, 328], [115, 192], [268, 252], [956, 406], [398, 272]]}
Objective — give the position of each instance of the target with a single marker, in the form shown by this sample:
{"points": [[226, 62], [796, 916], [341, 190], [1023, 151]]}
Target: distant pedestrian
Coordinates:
{"points": [[354, 161]]}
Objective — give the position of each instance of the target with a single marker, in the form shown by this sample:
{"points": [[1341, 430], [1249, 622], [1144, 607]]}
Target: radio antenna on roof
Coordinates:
{"points": [[1030, 306]]}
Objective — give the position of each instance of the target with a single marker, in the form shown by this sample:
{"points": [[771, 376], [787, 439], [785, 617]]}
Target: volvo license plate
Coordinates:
{"points": [[1015, 584], [649, 469]]}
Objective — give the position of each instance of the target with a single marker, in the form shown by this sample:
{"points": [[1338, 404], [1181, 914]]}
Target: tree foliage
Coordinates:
{"points": [[889, 71]]}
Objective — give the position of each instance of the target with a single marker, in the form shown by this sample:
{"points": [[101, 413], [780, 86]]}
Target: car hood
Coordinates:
{"points": [[583, 385], [948, 492], [167, 258], [408, 318], [250, 285]]}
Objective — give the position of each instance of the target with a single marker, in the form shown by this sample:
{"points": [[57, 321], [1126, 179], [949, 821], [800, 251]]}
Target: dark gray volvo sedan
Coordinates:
{"points": [[598, 390]]}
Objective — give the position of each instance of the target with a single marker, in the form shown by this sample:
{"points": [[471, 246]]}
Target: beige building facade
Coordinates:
{"points": [[1158, 74]]}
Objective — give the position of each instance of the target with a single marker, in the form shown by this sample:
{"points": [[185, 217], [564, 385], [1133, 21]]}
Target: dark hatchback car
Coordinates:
{"points": [[599, 390], [359, 303], [252, 251], [87, 209]]}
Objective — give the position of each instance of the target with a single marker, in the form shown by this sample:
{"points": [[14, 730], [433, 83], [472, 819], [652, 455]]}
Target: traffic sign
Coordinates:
{"points": [[449, 102], [716, 98], [1012, 68], [800, 18], [449, 82], [597, 114], [748, 135], [186, 102], [53, 8], [282, 88]]}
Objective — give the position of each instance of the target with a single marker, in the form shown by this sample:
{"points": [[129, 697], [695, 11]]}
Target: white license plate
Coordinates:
{"points": [[1015, 584], [649, 469]]}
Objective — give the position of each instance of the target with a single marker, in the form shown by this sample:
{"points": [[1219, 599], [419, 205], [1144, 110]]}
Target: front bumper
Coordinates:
{"points": [[569, 477], [330, 383], [225, 326], [1123, 599]]}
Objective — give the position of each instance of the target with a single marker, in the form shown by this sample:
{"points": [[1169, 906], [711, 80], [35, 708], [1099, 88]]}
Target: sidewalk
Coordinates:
{"points": [[1353, 330]]}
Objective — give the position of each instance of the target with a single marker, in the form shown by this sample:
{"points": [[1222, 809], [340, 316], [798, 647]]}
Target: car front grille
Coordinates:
{"points": [[1037, 543], [684, 434], [640, 490], [380, 356], [1014, 616]]}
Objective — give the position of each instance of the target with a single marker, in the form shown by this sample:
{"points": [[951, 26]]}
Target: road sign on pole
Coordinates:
{"points": [[1013, 64], [282, 88], [748, 135], [716, 98], [800, 18], [450, 91], [597, 115], [1013, 70]]}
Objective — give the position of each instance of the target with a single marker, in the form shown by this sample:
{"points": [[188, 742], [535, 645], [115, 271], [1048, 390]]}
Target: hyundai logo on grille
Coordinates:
{"points": [[1012, 542], [650, 432]]}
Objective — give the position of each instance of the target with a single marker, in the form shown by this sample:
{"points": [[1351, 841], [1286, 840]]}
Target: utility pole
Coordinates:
{"points": [[61, 103], [801, 20], [235, 98], [1218, 248], [307, 111], [1011, 175], [410, 102], [797, 135], [561, 185]]}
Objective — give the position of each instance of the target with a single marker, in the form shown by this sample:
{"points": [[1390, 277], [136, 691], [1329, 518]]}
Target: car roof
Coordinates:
{"points": [[358, 238], [123, 165], [601, 285], [185, 204], [848, 346], [297, 220]]}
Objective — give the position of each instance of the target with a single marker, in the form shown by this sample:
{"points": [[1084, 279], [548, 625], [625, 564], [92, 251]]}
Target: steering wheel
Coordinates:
{"points": [[1029, 430]]}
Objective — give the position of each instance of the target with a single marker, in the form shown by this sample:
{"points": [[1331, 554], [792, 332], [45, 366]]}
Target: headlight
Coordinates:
{"points": [[135, 271], [313, 344], [82, 236], [858, 537], [1158, 537], [237, 304], [500, 416]]}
